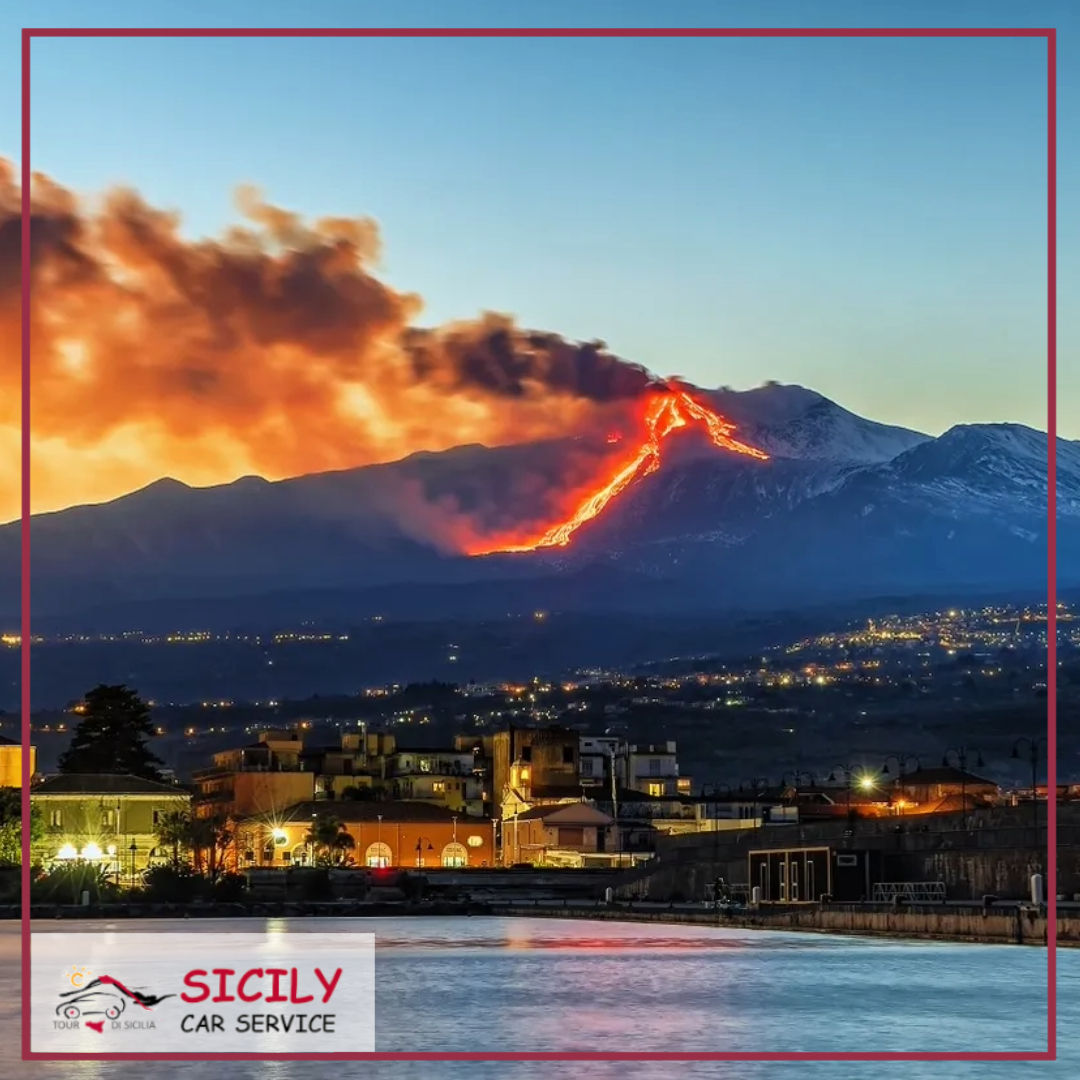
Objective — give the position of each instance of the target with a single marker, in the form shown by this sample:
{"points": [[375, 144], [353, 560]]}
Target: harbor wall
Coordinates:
{"points": [[1015, 925], [987, 852]]}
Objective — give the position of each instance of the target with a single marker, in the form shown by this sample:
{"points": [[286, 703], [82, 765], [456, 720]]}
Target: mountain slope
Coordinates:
{"points": [[844, 507]]}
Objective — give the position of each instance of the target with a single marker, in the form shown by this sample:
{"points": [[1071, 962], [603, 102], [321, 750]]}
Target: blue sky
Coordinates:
{"points": [[863, 217]]}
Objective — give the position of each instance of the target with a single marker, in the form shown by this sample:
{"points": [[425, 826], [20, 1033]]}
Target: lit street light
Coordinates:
{"points": [[864, 781]]}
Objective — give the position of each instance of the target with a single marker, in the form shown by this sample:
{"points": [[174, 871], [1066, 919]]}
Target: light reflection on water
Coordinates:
{"points": [[503, 984]]}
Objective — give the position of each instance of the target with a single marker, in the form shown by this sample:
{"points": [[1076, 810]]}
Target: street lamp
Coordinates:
{"points": [[961, 755], [865, 781], [1033, 757], [902, 761], [713, 790], [131, 855], [835, 779], [754, 784], [420, 850], [901, 764]]}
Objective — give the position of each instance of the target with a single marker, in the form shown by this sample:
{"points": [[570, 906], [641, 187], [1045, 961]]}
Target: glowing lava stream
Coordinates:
{"points": [[664, 413]]}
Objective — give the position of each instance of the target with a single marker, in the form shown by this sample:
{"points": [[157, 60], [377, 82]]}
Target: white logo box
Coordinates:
{"points": [[107, 992]]}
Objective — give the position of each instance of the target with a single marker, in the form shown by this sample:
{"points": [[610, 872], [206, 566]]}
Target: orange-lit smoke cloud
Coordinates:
{"points": [[273, 349]]}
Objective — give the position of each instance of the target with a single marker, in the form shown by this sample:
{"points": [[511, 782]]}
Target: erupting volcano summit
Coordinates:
{"points": [[663, 413]]}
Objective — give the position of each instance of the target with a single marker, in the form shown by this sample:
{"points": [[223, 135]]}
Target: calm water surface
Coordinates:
{"points": [[505, 984]]}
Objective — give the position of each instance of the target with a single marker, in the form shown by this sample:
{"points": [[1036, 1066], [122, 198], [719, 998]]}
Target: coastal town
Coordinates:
{"points": [[331, 812]]}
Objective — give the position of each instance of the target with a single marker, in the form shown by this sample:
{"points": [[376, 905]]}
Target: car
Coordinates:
{"points": [[92, 1003]]}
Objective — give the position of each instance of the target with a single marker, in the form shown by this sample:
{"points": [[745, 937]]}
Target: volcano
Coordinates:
{"points": [[705, 501], [662, 414]]}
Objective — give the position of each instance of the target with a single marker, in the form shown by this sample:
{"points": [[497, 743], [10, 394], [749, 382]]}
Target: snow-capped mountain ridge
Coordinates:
{"points": [[843, 505], [790, 421]]}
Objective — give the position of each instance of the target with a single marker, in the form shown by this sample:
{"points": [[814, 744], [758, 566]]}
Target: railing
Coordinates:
{"points": [[915, 892]]}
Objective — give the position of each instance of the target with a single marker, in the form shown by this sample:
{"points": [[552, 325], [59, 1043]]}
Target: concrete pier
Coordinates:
{"points": [[1001, 925]]}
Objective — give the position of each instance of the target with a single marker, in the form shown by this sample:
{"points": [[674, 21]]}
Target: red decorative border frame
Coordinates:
{"points": [[1050, 1053]]}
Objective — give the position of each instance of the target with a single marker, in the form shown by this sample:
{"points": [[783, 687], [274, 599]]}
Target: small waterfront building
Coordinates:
{"points": [[412, 835], [805, 874], [108, 819], [564, 834], [942, 790]]}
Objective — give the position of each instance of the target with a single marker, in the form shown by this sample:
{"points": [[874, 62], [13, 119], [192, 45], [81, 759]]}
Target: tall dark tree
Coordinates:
{"points": [[112, 736]]}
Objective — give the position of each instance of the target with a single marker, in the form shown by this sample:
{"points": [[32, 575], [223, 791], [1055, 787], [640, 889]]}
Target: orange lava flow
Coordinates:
{"points": [[664, 413]]}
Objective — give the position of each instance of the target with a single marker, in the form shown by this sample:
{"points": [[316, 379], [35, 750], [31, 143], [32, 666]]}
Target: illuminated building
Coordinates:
{"points": [[107, 819], [11, 763], [398, 834]]}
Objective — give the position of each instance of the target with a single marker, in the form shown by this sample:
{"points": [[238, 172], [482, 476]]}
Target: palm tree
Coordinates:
{"points": [[174, 829], [330, 839], [210, 835]]}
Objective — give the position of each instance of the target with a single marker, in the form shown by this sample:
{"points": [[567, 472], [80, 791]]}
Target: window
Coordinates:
{"points": [[56, 819], [108, 819], [455, 854], [526, 753], [586, 766], [286, 856], [654, 766], [568, 755], [438, 786], [656, 789], [157, 817], [377, 855]]}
